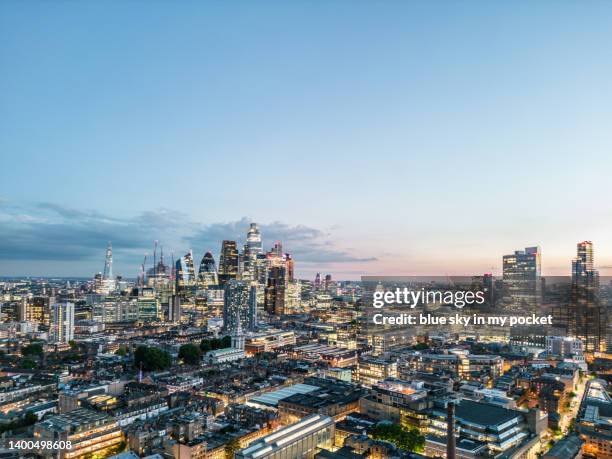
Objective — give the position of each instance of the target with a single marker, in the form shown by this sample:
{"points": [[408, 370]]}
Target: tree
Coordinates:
{"points": [[215, 343], [151, 358], [231, 447], [32, 350], [190, 354], [406, 439], [28, 420], [122, 351], [27, 363]]}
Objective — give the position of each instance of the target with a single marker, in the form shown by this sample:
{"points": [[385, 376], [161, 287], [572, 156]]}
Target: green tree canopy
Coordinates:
{"points": [[151, 358], [32, 350], [27, 363], [122, 351], [190, 354], [406, 439], [215, 343]]}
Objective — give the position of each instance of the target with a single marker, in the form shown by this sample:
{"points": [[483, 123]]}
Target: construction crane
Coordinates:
{"points": [[142, 271], [155, 264]]}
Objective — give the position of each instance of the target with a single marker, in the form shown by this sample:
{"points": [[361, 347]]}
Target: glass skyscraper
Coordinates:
{"points": [[522, 280], [240, 304], [228, 262], [587, 318]]}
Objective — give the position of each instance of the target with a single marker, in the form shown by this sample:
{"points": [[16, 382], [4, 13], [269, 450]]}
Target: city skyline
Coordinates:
{"points": [[408, 138], [305, 230], [156, 256]]}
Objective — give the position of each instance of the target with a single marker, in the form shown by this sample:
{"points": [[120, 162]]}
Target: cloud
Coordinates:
{"points": [[306, 244], [50, 232]]}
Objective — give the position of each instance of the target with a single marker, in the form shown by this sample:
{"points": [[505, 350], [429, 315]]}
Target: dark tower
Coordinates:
{"points": [[587, 319], [228, 262], [274, 293], [451, 447]]}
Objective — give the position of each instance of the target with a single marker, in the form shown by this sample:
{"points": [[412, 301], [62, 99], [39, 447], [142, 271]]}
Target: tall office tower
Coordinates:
{"points": [[328, 282], [274, 300], [275, 257], [207, 275], [108, 262], [252, 249], [240, 304], [290, 264], [254, 244], [306, 290], [9, 311], [293, 297], [586, 316], [522, 279], [317, 282], [174, 309], [488, 287], [261, 268], [61, 328], [185, 273], [105, 283], [148, 306], [38, 309], [228, 262]]}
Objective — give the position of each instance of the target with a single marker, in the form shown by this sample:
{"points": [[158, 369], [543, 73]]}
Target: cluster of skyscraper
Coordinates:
{"points": [[248, 278], [583, 314]]}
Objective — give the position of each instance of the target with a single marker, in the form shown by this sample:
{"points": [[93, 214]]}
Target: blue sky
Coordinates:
{"points": [[373, 137]]}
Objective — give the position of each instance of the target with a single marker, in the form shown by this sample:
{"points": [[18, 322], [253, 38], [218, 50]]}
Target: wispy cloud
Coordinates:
{"points": [[307, 244], [52, 232]]}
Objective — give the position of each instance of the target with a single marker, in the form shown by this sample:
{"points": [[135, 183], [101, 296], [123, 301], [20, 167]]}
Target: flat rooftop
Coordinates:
{"points": [[271, 399], [270, 443]]}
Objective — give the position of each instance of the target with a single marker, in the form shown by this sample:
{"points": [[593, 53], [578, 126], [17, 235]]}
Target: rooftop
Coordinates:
{"points": [[272, 398], [286, 435], [484, 414]]}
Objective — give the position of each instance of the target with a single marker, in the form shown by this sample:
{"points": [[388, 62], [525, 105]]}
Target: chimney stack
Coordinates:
{"points": [[451, 447]]}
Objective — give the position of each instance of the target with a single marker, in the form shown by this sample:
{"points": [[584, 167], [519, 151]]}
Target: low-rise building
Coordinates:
{"points": [[332, 398], [302, 439], [595, 420], [334, 356], [90, 433], [499, 428], [268, 341], [372, 370], [398, 401], [225, 355]]}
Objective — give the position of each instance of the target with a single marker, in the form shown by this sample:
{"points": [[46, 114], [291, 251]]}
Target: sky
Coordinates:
{"points": [[388, 137]]}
